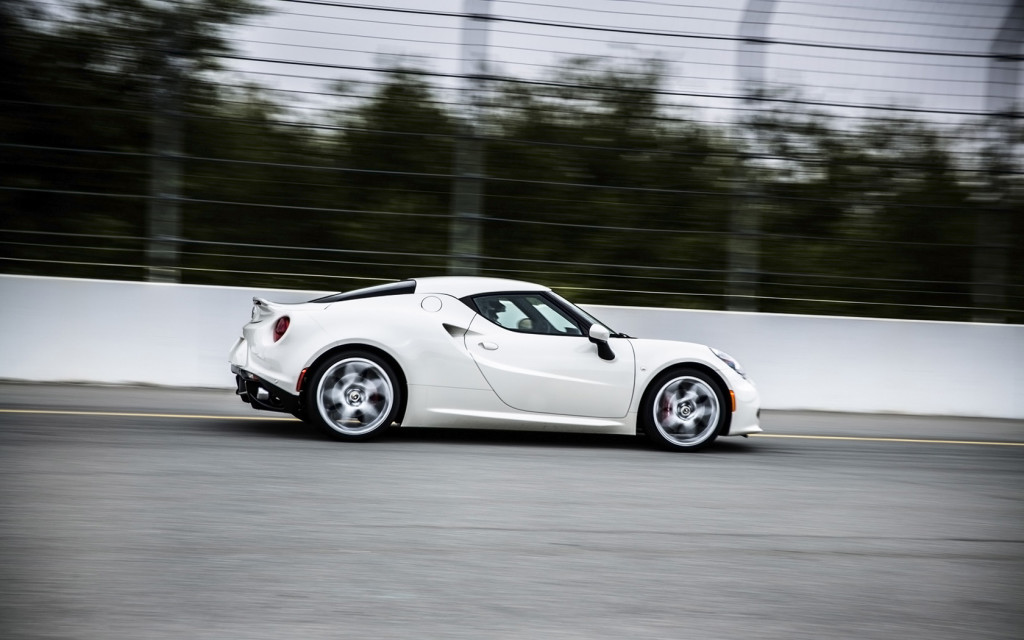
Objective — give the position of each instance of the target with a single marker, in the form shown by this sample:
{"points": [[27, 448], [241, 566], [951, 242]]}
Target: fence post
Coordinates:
{"points": [[163, 225], [744, 246], [990, 251], [467, 200]]}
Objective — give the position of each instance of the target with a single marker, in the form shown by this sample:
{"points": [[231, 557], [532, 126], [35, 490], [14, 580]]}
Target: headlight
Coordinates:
{"points": [[729, 360]]}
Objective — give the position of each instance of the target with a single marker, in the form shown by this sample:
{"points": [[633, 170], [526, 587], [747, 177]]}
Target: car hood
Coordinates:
{"points": [[658, 354]]}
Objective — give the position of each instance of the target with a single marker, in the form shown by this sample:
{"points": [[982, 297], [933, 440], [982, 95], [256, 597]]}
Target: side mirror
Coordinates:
{"points": [[600, 335]]}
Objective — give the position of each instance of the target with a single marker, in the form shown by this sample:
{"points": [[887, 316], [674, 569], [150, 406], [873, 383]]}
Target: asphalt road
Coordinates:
{"points": [[149, 513]]}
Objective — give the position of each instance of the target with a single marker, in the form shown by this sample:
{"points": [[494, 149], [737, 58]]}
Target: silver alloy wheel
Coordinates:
{"points": [[355, 396], [686, 411]]}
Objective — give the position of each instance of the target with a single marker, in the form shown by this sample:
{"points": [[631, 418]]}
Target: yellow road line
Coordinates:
{"points": [[879, 439], [193, 416], [125, 414]]}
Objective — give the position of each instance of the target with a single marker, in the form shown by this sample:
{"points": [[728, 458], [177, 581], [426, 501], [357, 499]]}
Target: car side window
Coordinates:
{"points": [[501, 310], [559, 322], [526, 313]]}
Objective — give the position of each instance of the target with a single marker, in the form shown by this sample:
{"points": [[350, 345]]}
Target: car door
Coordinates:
{"points": [[537, 358]]}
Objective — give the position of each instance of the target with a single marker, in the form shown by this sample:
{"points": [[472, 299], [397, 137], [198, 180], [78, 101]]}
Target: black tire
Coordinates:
{"points": [[683, 410], [354, 395]]}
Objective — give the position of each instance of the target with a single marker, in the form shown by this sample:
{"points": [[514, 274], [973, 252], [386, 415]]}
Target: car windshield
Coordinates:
{"points": [[586, 316]]}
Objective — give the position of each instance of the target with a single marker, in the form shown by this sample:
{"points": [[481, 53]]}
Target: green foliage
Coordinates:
{"points": [[593, 182]]}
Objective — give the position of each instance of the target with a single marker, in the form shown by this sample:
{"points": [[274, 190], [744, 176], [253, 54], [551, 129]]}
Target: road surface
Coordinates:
{"points": [[134, 513]]}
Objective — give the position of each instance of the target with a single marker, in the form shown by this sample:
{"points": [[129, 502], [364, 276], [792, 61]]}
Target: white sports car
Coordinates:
{"points": [[483, 353]]}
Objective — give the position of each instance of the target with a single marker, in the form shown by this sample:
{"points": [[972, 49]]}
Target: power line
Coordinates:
{"points": [[932, 9], [641, 74], [734, 18], [565, 85], [366, 252], [557, 51], [668, 34], [414, 174], [363, 262]]}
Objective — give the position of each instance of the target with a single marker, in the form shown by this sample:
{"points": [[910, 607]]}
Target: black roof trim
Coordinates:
{"points": [[389, 289]]}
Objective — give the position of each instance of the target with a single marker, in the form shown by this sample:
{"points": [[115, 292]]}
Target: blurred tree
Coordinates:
{"points": [[600, 176], [397, 150], [254, 175], [880, 200], [78, 119], [593, 180]]}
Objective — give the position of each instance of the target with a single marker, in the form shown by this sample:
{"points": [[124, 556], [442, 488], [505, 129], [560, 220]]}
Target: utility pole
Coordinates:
{"points": [[744, 244], [464, 241], [990, 251], [163, 225]]}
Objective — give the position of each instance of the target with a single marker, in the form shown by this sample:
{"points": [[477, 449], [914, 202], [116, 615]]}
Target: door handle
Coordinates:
{"points": [[490, 346]]}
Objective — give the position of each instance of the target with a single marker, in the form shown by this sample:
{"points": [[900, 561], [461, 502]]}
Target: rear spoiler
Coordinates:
{"points": [[263, 308]]}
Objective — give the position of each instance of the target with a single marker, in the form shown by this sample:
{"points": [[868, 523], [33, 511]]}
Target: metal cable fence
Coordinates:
{"points": [[780, 156]]}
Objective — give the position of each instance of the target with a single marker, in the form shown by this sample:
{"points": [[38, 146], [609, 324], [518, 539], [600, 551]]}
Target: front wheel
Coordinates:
{"points": [[354, 396], [683, 409]]}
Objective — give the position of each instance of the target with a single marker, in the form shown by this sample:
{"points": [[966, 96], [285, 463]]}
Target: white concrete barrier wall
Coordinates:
{"points": [[123, 332], [57, 329], [855, 364]]}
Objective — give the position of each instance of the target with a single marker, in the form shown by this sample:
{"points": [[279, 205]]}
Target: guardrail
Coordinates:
{"points": [[113, 332]]}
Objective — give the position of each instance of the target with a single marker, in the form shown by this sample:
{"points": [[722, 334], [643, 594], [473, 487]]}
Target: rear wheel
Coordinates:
{"points": [[354, 396], [683, 410]]}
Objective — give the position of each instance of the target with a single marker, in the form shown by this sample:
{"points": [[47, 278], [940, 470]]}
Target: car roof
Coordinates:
{"points": [[462, 286]]}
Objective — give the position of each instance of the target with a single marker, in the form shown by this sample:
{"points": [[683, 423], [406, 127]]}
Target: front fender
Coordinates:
{"points": [[656, 356]]}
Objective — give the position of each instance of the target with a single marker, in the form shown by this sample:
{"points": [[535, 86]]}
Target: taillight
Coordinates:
{"points": [[281, 327]]}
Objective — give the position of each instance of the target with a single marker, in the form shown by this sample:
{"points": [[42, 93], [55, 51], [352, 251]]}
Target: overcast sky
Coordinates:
{"points": [[374, 37]]}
